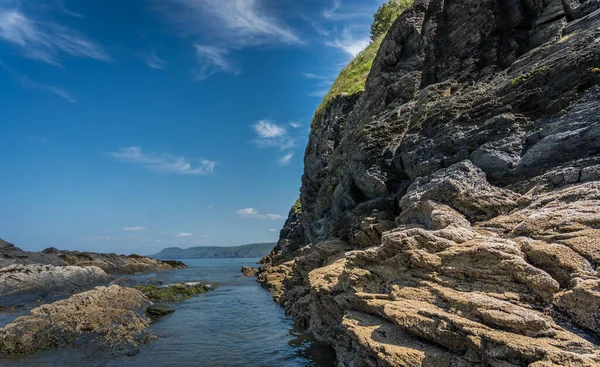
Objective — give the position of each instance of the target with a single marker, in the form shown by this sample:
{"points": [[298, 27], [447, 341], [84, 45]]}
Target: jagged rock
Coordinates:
{"points": [[250, 272], [111, 317], [20, 284], [450, 212]]}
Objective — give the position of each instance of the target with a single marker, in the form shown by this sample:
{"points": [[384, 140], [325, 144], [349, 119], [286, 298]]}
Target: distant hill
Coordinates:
{"points": [[215, 252]]}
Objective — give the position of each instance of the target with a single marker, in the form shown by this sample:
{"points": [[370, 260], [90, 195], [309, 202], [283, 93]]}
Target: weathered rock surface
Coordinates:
{"points": [[250, 272], [20, 284], [113, 318], [174, 292], [450, 214], [110, 263]]}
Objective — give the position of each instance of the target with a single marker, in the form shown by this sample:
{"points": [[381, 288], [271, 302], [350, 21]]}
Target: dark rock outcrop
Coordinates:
{"points": [[450, 212]]}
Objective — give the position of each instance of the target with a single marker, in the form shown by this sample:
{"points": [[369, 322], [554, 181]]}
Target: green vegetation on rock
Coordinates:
{"points": [[386, 15], [297, 206], [353, 77], [173, 293]]}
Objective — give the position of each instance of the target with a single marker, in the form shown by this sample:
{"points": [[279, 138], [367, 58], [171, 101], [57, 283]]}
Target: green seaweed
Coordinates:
{"points": [[173, 293]]}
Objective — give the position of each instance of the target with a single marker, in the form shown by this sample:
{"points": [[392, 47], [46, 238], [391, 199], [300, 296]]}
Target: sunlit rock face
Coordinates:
{"points": [[113, 318], [450, 213]]}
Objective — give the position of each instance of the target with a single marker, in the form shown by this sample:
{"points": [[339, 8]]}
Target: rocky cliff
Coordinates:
{"points": [[450, 213]]}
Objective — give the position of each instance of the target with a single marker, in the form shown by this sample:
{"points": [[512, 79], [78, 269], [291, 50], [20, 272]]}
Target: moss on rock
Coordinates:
{"points": [[172, 293]]}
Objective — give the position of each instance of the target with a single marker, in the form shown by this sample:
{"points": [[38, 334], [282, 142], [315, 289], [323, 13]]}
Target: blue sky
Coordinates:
{"points": [[130, 126]]}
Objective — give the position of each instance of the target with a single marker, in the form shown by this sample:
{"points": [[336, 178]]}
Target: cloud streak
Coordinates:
{"points": [[241, 23], [27, 83], [152, 60], [45, 41], [164, 162], [347, 43], [225, 26], [339, 12], [270, 134], [183, 234], [212, 60], [251, 213], [134, 229], [286, 159]]}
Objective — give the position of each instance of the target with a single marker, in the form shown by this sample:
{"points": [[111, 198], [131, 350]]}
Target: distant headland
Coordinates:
{"points": [[215, 252]]}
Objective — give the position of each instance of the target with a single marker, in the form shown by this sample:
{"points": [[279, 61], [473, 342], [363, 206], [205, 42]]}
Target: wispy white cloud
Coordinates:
{"points": [[44, 40], [329, 13], [349, 44], [272, 135], [295, 124], [272, 230], [152, 60], [164, 162], [204, 236], [27, 83], [286, 159], [338, 11], [240, 23], [134, 229], [213, 60], [183, 234], [267, 130], [251, 213], [225, 26]]}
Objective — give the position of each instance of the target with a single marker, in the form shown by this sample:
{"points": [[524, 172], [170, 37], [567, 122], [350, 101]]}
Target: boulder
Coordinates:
{"points": [[113, 318]]}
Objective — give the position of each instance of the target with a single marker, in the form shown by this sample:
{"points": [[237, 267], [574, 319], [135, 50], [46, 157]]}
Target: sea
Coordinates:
{"points": [[235, 324]]}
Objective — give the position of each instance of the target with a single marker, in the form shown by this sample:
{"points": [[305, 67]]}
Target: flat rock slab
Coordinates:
{"points": [[158, 310]]}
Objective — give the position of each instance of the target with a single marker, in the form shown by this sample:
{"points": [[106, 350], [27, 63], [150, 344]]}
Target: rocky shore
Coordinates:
{"points": [[449, 214], [76, 304], [112, 318]]}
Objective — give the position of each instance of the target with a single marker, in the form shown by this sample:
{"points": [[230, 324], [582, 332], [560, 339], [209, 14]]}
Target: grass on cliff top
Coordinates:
{"points": [[353, 77]]}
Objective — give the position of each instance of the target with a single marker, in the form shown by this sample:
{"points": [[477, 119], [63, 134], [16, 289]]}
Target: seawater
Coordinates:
{"points": [[236, 324]]}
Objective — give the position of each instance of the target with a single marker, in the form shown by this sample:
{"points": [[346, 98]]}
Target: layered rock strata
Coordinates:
{"points": [[450, 214]]}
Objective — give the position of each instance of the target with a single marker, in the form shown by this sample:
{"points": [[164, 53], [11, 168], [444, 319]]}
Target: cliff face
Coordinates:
{"points": [[450, 214]]}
